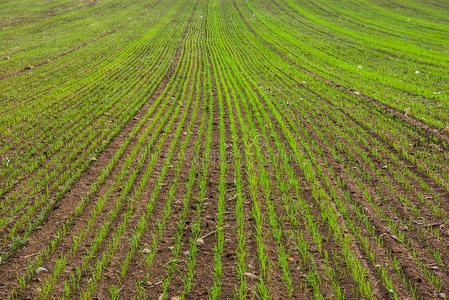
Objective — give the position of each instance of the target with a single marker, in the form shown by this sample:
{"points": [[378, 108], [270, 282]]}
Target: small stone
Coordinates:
{"points": [[174, 298], [359, 67], [7, 57], [41, 270], [384, 167], [199, 242], [93, 159], [417, 72], [442, 295], [250, 275], [146, 251], [356, 93]]}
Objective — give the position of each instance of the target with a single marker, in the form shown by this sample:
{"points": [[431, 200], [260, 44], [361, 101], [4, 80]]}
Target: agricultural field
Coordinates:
{"points": [[224, 149]]}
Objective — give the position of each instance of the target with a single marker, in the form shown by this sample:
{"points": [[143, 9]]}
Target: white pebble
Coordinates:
{"points": [[41, 270], [250, 275]]}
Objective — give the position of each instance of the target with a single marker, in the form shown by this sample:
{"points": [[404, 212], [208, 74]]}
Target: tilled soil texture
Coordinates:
{"points": [[191, 149]]}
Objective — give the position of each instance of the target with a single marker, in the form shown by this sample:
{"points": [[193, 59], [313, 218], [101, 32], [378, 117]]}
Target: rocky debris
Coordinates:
{"points": [[41, 270], [250, 275]]}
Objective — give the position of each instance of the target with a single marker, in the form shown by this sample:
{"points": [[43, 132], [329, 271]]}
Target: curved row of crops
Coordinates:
{"points": [[224, 149]]}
